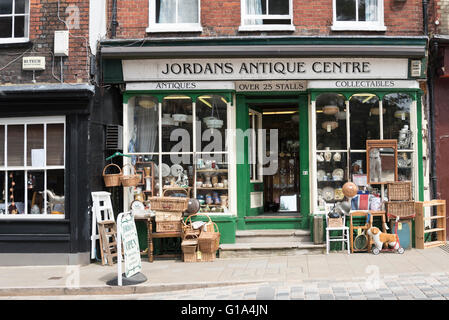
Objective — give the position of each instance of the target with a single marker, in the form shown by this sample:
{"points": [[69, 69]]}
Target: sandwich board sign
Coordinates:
{"points": [[127, 234]]}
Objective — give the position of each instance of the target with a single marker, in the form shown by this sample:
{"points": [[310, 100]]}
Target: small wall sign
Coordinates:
{"points": [[245, 86], [33, 63]]}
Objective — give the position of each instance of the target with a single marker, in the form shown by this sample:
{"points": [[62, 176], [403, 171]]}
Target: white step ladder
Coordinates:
{"points": [[103, 218]]}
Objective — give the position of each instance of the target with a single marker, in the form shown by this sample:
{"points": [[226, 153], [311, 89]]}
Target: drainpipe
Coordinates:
{"points": [[425, 16], [114, 22], [433, 56]]}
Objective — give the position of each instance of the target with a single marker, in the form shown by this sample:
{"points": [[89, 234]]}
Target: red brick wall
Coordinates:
{"points": [[222, 18], [43, 22]]}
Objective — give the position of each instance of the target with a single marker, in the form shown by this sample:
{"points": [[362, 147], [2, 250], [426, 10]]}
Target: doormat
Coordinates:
{"points": [[445, 248]]}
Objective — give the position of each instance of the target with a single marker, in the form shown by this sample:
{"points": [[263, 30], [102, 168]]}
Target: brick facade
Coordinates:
{"points": [[441, 12], [222, 18], [44, 21]]}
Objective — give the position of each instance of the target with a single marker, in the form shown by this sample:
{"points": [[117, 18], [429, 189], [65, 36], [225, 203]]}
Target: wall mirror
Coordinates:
{"points": [[381, 161]]}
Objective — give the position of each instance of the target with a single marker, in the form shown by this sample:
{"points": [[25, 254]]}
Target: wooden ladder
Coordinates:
{"points": [[108, 241]]}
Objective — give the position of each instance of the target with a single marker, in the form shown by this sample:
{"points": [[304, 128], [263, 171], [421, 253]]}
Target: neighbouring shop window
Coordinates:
{"points": [[174, 15], [341, 150], [14, 21], [190, 150], [32, 167], [358, 14]]}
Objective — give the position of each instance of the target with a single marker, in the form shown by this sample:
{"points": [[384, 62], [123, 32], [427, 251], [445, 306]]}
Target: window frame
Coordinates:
{"points": [[154, 27], [26, 37], [27, 168], [255, 147], [359, 25], [265, 27]]}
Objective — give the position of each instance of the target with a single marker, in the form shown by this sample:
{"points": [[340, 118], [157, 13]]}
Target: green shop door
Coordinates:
{"points": [[272, 161]]}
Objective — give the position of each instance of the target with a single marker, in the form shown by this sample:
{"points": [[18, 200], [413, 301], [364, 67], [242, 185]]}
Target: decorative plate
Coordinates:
{"points": [[339, 194], [137, 205], [176, 170], [328, 193], [320, 175], [338, 174], [320, 192], [165, 170], [337, 156]]}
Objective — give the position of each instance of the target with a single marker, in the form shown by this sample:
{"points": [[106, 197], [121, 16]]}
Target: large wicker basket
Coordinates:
{"points": [[189, 250], [401, 209], [399, 191], [208, 241], [112, 179], [177, 204], [132, 179]]}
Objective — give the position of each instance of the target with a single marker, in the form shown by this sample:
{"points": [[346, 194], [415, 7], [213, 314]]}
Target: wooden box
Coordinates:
{"points": [[438, 218]]}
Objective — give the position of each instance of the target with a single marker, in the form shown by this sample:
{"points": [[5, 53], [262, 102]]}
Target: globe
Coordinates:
{"points": [[350, 189]]}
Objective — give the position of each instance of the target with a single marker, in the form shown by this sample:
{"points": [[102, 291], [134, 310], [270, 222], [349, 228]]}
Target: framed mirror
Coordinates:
{"points": [[381, 161]]}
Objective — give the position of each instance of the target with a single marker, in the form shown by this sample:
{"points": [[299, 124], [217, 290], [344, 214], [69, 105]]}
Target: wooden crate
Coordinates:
{"points": [[399, 191], [421, 218]]}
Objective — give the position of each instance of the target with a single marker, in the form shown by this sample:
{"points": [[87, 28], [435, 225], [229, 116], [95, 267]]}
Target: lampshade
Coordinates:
{"points": [[330, 109], [146, 103], [401, 115]]}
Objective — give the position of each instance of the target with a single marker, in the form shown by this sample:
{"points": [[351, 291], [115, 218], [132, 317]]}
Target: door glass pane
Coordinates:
{"points": [[364, 111], [177, 124], [396, 119], [5, 27], [143, 124], [211, 113], [19, 27], [35, 145], [6, 7], [16, 192], [35, 185], [55, 144], [346, 10], [188, 11], [331, 122], [15, 145], [278, 6], [2, 145], [55, 192]]}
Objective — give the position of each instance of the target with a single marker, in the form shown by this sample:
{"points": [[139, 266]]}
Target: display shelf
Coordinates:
{"points": [[212, 188], [212, 170]]}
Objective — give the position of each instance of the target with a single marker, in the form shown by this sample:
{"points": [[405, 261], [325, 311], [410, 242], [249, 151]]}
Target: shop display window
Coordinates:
{"points": [[32, 167], [193, 160], [364, 119], [330, 122]]}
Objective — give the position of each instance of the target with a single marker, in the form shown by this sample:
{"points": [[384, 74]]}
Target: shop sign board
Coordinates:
{"points": [[274, 85], [364, 84], [240, 69], [127, 234]]}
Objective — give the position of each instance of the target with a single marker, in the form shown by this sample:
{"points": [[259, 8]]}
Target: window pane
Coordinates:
{"points": [[396, 119], [19, 27], [3, 195], [2, 145], [177, 124], [331, 175], [55, 144], [255, 7], [55, 192], [35, 145], [188, 11], [166, 11], [5, 27], [331, 122], [278, 6], [16, 192], [177, 173], [35, 185], [5, 7], [143, 117], [346, 10], [211, 113], [20, 6], [364, 111], [15, 145], [149, 183], [367, 10]]}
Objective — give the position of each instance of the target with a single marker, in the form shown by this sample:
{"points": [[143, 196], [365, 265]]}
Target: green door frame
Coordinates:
{"points": [[244, 186]]}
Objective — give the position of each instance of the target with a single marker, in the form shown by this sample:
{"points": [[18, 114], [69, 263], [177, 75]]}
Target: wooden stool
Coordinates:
{"points": [[108, 241]]}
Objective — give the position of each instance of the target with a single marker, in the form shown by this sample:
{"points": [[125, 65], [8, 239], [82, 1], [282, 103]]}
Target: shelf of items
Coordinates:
{"points": [[438, 218], [145, 169]]}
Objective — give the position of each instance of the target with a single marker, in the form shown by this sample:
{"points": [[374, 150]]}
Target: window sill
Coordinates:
{"points": [[267, 27], [176, 28], [358, 27]]}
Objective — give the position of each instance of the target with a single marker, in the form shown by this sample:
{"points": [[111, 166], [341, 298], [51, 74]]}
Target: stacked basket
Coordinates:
{"points": [[400, 203], [169, 212]]}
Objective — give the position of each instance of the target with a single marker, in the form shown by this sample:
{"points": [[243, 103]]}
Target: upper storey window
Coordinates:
{"points": [[358, 15], [14, 17], [174, 16], [258, 15]]}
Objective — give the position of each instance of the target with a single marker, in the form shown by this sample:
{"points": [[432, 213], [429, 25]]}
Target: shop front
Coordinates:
{"points": [[264, 134]]}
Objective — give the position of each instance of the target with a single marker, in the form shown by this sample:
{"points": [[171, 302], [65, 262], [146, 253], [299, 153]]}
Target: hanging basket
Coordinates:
{"points": [[112, 179], [130, 180]]}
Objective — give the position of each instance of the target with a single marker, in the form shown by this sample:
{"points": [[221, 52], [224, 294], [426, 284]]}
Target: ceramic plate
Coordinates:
{"points": [[165, 170], [328, 193], [176, 169], [320, 175], [338, 174], [137, 205]]}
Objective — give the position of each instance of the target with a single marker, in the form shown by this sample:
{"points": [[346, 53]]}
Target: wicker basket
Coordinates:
{"points": [[132, 179], [177, 204], [208, 241], [168, 216], [208, 257], [189, 250], [188, 232], [335, 222], [400, 209], [112, 179], [169, 226], [399, 191]]}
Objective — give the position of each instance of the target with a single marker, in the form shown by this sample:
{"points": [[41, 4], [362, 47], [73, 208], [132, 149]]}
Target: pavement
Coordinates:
{"points": [[415, 274]]}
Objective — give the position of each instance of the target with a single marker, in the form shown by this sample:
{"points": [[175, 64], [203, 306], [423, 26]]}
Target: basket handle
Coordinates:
{"points": [[111, 164], [189, 218]]}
